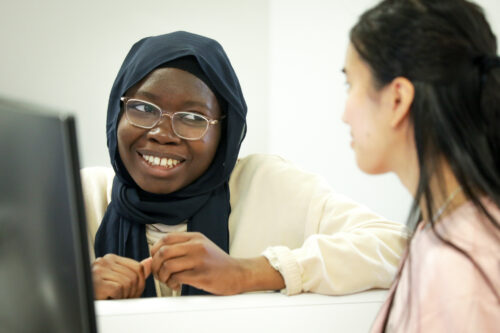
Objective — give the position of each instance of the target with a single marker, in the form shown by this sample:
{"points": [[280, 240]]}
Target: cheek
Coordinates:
{"points": [[205, 149], [348, 109], [371, 147], [355, 115], [122, 136], [126, 136], [210, 144], [369, 144]]}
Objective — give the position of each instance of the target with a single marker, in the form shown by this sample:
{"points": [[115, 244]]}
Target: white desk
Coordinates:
{"points": [[257, 312]]}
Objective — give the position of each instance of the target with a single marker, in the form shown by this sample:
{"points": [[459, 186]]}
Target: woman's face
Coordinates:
{"points": [[172, 90], [367, 113]]}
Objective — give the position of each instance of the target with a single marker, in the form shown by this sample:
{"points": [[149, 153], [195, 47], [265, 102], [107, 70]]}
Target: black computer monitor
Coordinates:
{"points": [[45, 281]]}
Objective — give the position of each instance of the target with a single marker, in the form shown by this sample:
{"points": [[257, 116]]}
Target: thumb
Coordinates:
{"points": [[146, 266]]}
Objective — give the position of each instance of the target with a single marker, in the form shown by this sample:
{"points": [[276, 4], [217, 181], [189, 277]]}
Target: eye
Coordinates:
{"points": [[142, 107], [192, 119]]}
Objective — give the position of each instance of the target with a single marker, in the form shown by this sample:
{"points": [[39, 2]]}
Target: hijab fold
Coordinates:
{"points": [[204, 204]]}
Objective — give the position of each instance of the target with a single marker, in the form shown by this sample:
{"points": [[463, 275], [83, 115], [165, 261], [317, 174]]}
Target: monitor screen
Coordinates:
{"points": [[45, 272]]}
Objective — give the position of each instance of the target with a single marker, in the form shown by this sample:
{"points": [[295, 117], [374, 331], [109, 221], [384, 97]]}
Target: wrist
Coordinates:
{"points": [[257, 274]]}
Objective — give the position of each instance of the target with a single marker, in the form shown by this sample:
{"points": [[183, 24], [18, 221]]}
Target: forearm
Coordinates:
{"points": [[348, 263], [341, 263]]}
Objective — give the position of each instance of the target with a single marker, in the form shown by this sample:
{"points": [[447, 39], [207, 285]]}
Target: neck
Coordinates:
{"points": [[406, 167], [446, 194], [444, 187]]}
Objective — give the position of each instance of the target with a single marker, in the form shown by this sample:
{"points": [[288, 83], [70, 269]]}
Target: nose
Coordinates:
{"points": [[163, 133]]}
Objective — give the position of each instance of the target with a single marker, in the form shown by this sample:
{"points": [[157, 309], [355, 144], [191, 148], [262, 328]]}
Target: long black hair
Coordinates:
{"points": [[448, 51]]}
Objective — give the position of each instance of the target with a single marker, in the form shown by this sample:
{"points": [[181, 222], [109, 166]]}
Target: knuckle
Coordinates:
{"points": [[108, 257], [128, 283], [137, 268], [201, 248], [99, 262], [97, 269], [166, 267], [134, 280], [163, 251]]}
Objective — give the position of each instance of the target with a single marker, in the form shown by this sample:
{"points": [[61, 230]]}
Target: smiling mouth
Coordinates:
{"points": [[164, 162]]}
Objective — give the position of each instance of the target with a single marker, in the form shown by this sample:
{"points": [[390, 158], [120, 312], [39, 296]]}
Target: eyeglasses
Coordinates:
{"points": [[186, 125]]}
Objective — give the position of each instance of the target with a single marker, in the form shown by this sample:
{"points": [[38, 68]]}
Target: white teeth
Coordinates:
{"points": [[164, 162]]}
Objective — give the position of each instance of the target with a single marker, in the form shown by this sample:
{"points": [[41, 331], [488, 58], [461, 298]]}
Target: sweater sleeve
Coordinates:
{"points": [[351, 250], [96, 185], [344, 247]]}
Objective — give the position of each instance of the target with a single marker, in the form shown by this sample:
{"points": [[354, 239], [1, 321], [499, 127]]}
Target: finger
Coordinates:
{"points": [[124, 271], [109, 290], [127, 262], [173, 266], [172, 238], [146, 266], [104, 271], [145, 271], [172, 282], [168, 252], [129, 278], [190, 277]]}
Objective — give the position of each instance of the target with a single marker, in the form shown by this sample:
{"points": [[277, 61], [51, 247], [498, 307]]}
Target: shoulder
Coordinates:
{"points": [[254, 161], [267, 167], [97, 177], [97, 173], [97, 183], [474, 250]]}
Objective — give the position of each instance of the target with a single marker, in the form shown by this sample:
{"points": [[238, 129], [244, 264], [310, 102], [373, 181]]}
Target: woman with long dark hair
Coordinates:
{"points": [[424, 102]]}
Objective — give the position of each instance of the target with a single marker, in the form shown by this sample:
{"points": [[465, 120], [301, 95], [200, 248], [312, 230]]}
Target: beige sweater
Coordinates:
{"points": [[319, 241]]}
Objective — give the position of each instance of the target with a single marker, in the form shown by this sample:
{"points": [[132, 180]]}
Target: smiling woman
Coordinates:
{"points": [[180, 214], [157, 158]]}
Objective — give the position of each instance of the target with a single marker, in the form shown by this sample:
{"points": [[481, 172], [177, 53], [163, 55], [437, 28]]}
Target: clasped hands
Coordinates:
{"points": [[176, 259]]}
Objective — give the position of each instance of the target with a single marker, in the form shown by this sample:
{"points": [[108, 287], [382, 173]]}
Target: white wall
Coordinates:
{"points": [[307, 45], [66, 54], [288, 56]]}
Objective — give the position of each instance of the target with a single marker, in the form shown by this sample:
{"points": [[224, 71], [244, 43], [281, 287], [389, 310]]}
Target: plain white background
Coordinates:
{"points": [[287, 54]]}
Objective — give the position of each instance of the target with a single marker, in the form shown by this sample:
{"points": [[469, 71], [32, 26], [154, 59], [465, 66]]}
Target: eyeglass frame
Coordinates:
{"points": [[170, 114]]}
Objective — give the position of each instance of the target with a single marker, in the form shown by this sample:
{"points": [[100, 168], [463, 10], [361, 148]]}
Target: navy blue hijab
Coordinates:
{"points": [[204, 204]]}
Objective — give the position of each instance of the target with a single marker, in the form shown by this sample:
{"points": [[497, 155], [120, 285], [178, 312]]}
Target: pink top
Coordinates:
{"points": [[446, 292]]}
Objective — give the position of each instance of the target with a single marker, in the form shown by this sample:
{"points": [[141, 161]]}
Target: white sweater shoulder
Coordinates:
{"points": [[96, 185]]}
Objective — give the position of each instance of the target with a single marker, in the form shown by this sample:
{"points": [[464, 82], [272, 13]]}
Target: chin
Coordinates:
{"points": [[370, 167], [156, 188]]}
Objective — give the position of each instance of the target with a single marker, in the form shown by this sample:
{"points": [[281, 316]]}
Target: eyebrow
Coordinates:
{"points": [[147, 94], [155, 98]]}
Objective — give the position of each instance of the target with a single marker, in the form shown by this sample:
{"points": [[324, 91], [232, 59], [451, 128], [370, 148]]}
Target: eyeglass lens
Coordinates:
{"points": [[187, 125]]}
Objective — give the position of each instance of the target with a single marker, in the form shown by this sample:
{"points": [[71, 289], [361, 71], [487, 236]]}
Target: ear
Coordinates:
{"points": [[402, 93]]}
